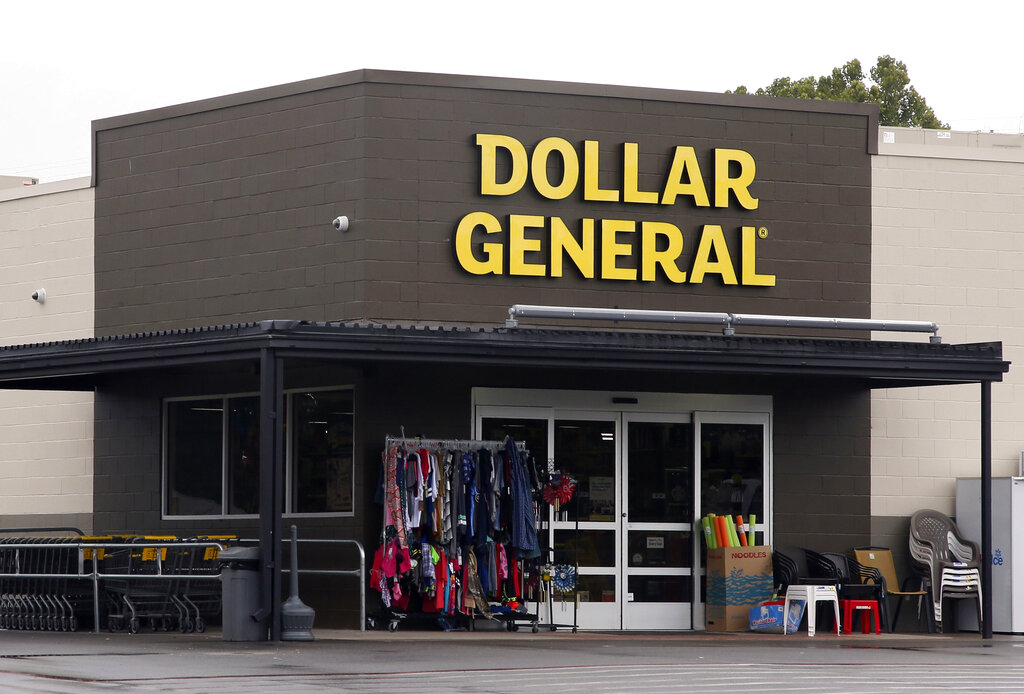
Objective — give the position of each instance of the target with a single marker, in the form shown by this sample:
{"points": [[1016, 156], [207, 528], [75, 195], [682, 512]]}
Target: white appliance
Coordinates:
{"points": [[1007, 549]]}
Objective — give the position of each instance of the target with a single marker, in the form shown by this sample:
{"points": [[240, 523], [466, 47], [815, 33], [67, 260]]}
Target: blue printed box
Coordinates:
{"points": [[769, 618], [739, 578]]}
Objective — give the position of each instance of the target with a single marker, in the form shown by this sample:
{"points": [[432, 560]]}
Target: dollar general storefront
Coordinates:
{"points": [[254, 350]]}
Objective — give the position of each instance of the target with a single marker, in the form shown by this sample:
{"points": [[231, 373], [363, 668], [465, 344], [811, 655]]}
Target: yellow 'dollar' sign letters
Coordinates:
{"points": [[595, 251]]}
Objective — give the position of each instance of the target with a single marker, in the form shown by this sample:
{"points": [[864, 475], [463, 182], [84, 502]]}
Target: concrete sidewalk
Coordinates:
{"points": [[486, 661]]}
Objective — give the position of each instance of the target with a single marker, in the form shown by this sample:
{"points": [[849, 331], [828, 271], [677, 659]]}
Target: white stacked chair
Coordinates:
{"points": [[952, 562], [811, 595]]}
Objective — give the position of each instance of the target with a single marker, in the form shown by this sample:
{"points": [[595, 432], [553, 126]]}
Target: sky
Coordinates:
{"points": [[65, 64]]}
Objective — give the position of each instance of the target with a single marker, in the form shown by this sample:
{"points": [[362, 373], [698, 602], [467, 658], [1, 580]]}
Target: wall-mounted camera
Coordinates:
{"points": [[341, 223], [39, 295]]}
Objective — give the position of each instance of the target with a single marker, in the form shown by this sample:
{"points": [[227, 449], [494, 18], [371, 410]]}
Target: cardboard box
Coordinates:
{"points": [[795, 615], [739, 578], [768, 618]]}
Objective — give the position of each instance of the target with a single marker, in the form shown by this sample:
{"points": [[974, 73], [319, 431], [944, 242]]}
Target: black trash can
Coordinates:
{"points": [[240, 583]]}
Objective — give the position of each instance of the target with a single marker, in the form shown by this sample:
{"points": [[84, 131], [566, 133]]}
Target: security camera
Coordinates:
{"points": [[341, 223], [39, 295]]}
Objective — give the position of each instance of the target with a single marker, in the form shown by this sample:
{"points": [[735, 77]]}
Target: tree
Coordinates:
{"points": [[898, 101]]}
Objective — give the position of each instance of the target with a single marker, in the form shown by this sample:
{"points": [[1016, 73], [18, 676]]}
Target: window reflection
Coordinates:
{"points": [[595, 589], [660, 483], [194, 450], [732, 462], [532, 431], [209, 440], [244, 455], [322, 452], [586, 450], [660, 588]]}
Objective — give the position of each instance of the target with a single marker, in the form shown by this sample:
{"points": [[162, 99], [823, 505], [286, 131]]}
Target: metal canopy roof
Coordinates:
{"points": [[82, 364]]}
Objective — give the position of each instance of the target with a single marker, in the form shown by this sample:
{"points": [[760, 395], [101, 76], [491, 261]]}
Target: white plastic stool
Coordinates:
{"points": [[811, 595]]}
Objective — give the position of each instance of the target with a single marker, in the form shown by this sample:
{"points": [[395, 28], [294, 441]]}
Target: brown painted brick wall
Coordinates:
{"points": [[822, 471], [221, 212], [820, 478]]}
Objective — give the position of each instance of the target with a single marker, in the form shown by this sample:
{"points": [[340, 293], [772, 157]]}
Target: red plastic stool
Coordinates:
{"points": [[867, 608]]}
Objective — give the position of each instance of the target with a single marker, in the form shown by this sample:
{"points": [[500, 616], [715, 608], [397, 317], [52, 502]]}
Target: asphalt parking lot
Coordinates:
{"points": [[493, 661]]}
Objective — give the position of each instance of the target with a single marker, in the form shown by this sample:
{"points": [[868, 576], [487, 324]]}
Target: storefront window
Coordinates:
{"points": [[533, 432], [660, 588], [732, 467], [244, 455], [591, 589], [322, 452], [586, 449], [660, 478], [213, 445], [194, 450]]}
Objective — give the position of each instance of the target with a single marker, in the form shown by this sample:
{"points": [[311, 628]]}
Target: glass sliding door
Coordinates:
{"points": [[733, 456], [531, 427], [634, 502], [588, 450], [645, 477], [657, 522], [733, 451]]}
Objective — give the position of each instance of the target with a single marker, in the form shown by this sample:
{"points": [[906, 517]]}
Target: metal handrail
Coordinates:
{"points": [[360, 573], [44, 529], [95, 574]]}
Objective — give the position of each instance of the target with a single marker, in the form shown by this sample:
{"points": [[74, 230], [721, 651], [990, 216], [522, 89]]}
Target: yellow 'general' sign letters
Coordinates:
{"points": [[534, 245]]}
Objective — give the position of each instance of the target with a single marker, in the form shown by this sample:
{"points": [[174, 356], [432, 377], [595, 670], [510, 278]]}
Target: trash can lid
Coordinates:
{"points": [[239, 554]]}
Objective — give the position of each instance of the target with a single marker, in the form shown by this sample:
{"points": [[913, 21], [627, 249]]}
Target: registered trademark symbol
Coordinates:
{"points": [[763, 232]]}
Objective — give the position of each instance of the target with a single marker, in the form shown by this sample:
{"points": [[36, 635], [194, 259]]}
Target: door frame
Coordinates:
{"points": [[764, 526], [598, 614], [550, 404], [653, 615]]}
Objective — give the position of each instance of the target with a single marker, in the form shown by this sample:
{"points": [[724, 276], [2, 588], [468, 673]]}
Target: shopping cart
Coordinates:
{"points": [[41, 587], [131, 597], [181, 593], [198, 599]]}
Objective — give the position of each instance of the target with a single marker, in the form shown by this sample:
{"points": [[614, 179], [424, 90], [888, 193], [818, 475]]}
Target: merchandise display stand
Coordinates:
{"points": [[561, 569], [447, 553], [513, 619]]}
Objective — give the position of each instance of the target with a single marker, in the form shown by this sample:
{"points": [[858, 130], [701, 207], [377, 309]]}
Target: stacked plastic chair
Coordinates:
{"points": [[858, 582], [952, 563], [808, 576]]}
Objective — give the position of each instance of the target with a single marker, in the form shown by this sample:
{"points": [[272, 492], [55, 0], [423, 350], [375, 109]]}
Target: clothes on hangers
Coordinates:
{"points": [[394, 508], [448, 513], [524, 523]]}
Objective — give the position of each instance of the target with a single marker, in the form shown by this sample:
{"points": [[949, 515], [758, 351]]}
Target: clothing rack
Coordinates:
{"points": [[463, 513], [450, 444]]}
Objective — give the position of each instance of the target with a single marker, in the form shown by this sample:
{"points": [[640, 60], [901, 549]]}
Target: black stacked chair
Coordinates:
{"points": [[800, 566], [804, 566], [859, 582]]}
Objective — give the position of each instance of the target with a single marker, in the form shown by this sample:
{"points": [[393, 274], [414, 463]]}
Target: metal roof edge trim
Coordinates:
{"points": [[280, 327], [964, 362], [515, 84]]}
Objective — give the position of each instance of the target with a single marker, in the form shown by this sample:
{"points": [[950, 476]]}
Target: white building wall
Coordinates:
{"points": [[948, 246], [46, 242]]}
